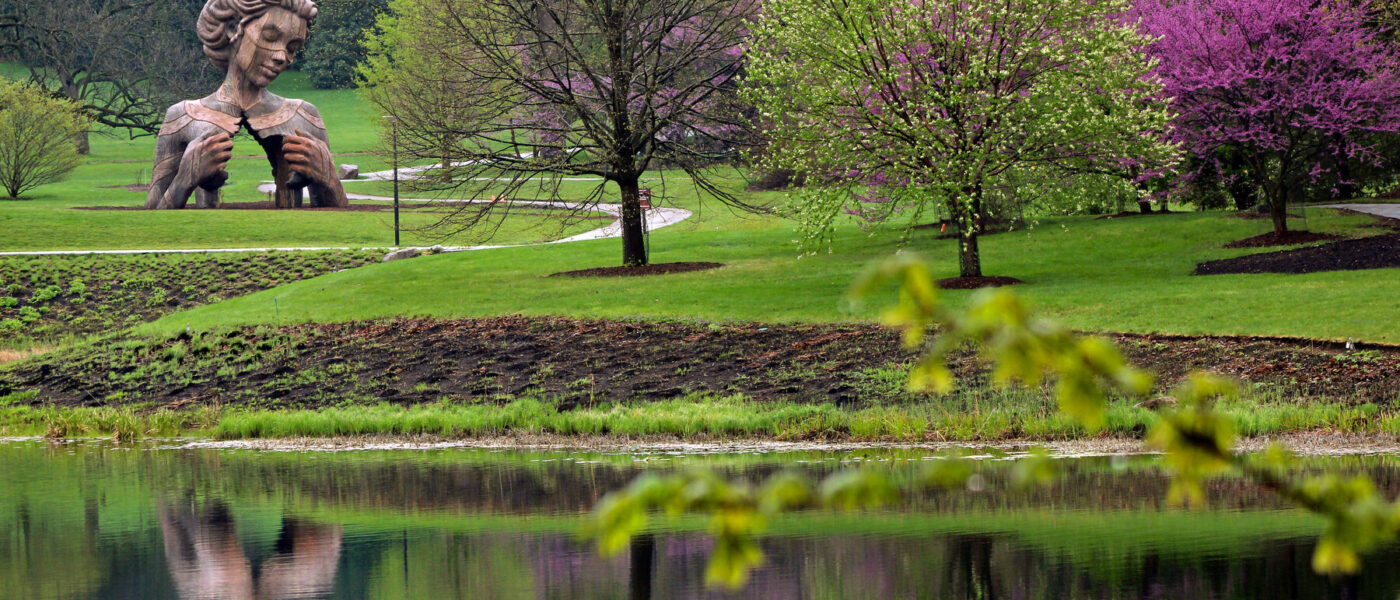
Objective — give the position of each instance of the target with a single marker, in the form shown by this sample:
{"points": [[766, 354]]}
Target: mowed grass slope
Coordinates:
{"points": [[1131, 275]]}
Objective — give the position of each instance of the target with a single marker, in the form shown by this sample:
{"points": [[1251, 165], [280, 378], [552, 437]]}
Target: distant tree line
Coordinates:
{"points": [[335, 47]]}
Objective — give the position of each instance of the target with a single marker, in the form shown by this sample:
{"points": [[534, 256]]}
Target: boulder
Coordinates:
{"points": [[403, 253], [349, 171]]}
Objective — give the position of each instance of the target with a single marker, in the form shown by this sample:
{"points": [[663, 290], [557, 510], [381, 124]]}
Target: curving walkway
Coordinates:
{"points": [[656, 218], [1389, 211]]}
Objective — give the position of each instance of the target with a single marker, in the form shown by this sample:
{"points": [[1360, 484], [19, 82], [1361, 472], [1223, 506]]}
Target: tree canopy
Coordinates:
{"points": [[331, 59], [507, 94], [124, 61], [1285, 89], [903, 104]]}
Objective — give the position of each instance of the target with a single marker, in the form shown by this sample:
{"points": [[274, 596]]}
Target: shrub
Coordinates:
{"points": [[37, 133]]}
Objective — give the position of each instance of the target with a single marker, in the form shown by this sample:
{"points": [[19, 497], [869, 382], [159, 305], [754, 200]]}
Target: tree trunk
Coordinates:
{"points": [[643, 557], [1346, 188], [1145, 206], [634, 245], [969, 220], [81, 141], [1278, 209]]}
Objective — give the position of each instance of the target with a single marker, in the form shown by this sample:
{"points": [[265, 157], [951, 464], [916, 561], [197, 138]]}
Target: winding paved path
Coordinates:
{"points": [[656, 218], [1389, 211]]}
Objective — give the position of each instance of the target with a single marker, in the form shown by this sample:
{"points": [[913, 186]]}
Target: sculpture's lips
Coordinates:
{"points": [[270, 72]]}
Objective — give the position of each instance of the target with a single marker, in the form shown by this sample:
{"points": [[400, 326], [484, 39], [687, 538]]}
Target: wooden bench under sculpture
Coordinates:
{"points": [[253, 41]]}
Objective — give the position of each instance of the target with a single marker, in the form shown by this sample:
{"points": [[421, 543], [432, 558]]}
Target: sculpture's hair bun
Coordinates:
{"points": [[221, 23]]}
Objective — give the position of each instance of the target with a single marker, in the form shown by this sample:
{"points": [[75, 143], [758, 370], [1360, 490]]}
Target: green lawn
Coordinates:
{"points": [[1119, 275], [47, 220], [1104, 275]]}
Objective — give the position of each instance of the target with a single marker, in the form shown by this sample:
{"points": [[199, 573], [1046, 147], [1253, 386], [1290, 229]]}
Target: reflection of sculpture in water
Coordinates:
{"points": [[253, 41], [207, 560]]}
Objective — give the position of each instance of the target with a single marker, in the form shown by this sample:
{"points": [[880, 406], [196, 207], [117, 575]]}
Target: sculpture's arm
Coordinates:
{"points": [[308, 152], [310, 155], [169, 149], [177, 173]]}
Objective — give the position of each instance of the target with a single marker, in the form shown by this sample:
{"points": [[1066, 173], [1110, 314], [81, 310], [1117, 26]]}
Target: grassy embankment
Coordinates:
{"points": [[1119, 275], [1130, 274]]}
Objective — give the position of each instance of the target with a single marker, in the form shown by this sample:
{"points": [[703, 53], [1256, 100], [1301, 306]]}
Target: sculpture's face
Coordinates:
{"points": [[268, 45]]}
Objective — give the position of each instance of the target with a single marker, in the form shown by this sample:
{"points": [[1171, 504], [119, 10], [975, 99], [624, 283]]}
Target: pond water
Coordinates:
{"points": [[154, 521]]}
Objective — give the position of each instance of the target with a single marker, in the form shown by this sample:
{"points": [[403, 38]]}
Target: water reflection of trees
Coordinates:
{"points": [[84, 526], [452, 566], [207, 560]]}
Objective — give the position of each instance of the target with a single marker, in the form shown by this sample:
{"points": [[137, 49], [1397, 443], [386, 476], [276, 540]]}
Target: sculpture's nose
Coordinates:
{"points": [[279, 58]]}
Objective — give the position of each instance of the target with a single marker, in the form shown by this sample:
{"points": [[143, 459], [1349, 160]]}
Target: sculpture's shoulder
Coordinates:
{"points": [[286, 117], [176, 119], [307, 111], [182, 114]]}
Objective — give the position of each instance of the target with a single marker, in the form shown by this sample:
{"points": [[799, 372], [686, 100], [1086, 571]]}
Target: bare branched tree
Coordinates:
{"points": [[125, 61], [506, 94]]}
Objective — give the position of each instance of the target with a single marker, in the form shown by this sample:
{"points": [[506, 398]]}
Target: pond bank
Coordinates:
{"points": [[1313, 443], [727, 424], [517, 375]]}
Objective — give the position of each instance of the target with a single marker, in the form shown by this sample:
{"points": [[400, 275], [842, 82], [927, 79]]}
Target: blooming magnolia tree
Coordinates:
{"points": [[1287, 86], [507, 94], [916, 102]]}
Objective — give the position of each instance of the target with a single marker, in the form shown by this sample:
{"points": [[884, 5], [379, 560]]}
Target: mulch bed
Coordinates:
{"points": [[1289, 238], [1376, 252], [575, 362], [652, 269], [973, 283]]}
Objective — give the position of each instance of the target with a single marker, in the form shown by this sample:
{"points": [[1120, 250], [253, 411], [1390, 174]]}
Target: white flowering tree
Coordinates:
{"points": [[889, 106]]}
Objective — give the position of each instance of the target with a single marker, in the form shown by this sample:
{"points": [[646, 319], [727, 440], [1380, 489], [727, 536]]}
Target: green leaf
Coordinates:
{"points": [[852, 490], [948, 473]]}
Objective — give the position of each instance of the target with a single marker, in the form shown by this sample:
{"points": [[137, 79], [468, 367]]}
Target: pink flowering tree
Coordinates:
{"points": [[891, 106], [1287, 87], [513, 97]]}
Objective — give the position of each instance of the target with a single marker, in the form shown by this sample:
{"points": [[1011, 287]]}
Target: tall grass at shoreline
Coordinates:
{"points": [[695, 417]]}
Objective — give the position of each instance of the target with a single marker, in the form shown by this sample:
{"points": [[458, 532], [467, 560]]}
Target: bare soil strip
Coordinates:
{"points": [[580, 363]]}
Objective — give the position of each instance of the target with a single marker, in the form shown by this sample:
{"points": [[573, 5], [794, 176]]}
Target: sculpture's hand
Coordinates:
{"points": [[207, 159], [310, 157]]}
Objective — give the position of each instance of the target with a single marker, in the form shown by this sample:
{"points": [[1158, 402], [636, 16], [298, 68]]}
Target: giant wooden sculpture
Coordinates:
{"points": [[253, 41]]}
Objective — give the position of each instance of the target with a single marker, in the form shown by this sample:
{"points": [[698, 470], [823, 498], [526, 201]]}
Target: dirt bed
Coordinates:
{"points": [[652, 269], [585, 362], [973, 283], [1376, 252], [1287, 238], [52, 297]]}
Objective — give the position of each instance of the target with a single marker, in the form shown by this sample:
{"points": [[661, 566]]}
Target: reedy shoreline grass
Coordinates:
{"points": [[693, 417]]}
